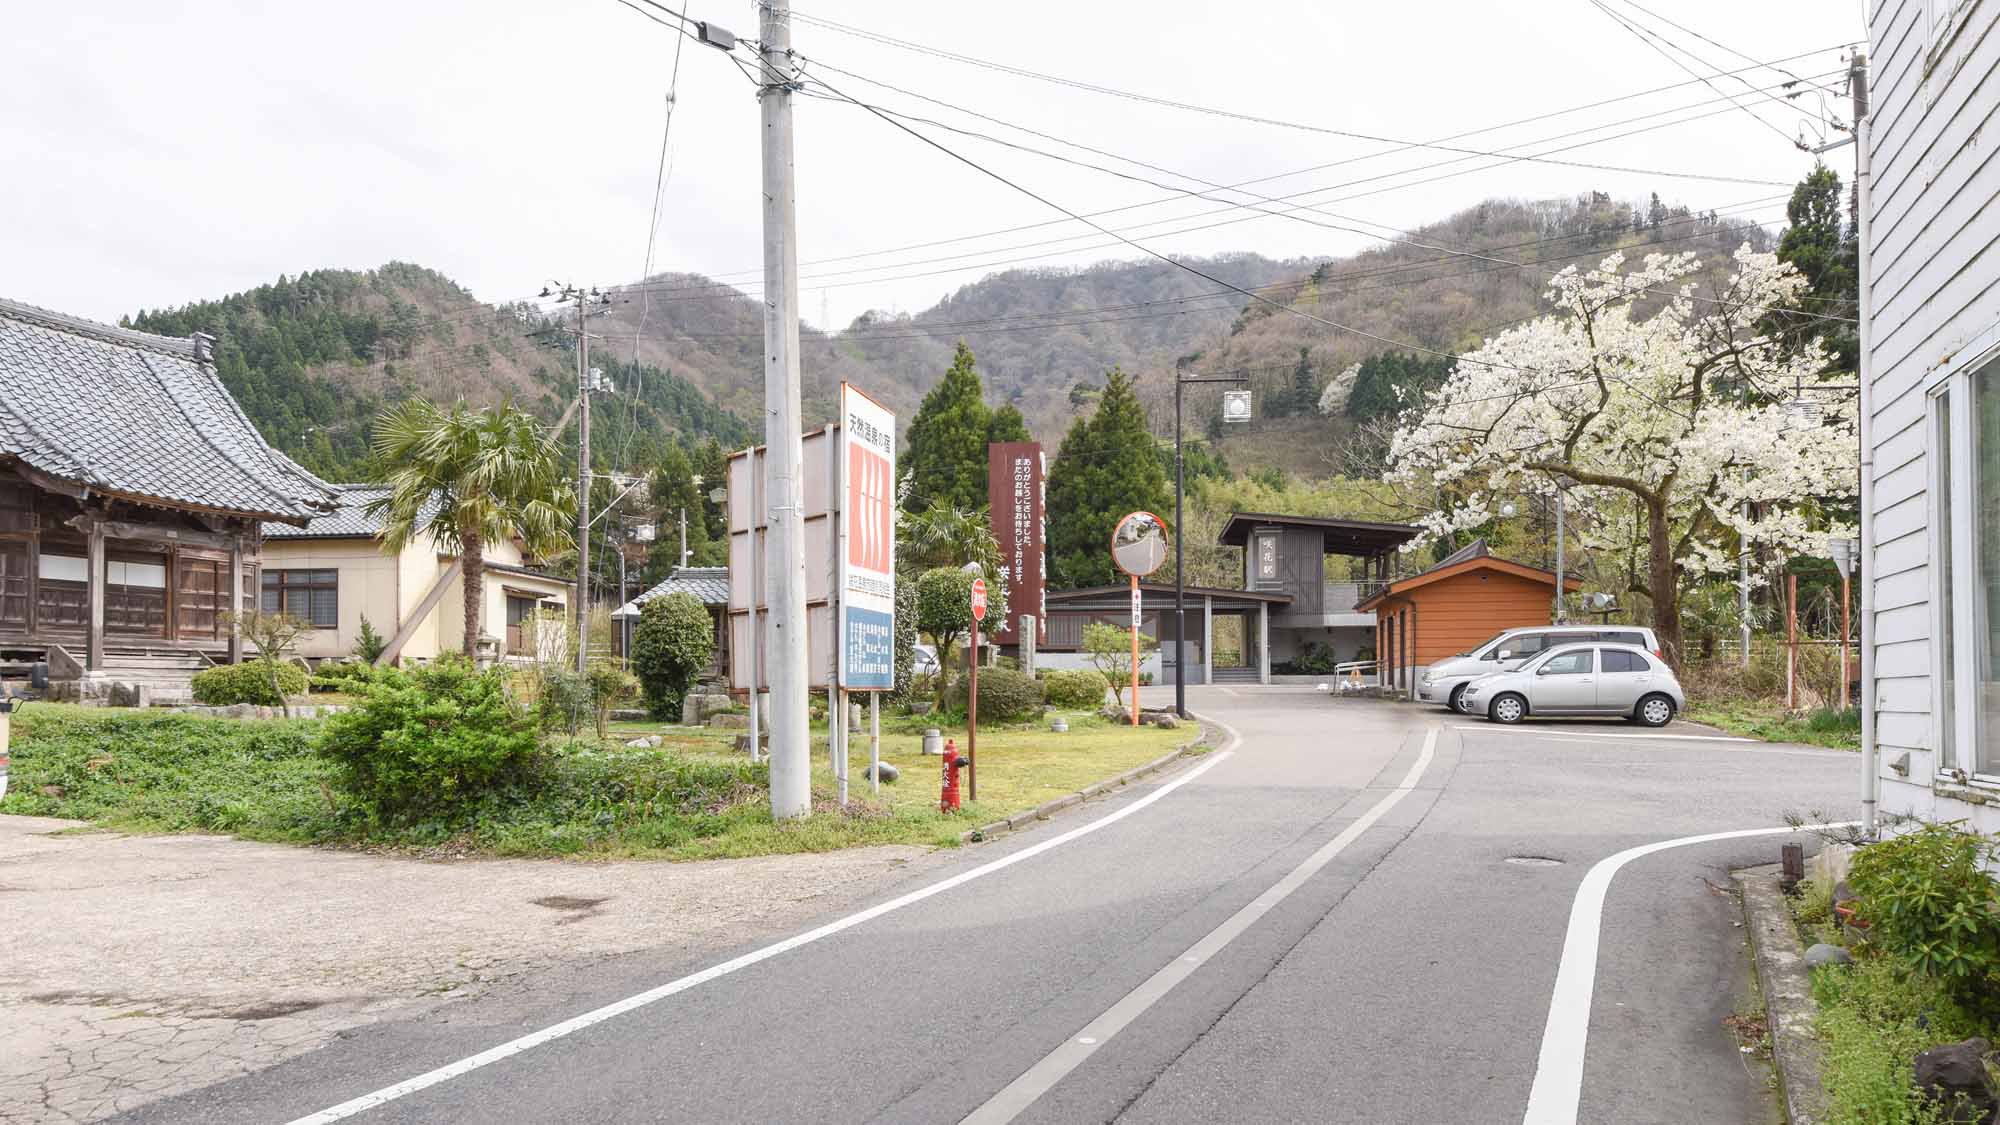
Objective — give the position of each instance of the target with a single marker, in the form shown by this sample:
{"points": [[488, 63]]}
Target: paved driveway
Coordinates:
{"points": [[137, 967]]}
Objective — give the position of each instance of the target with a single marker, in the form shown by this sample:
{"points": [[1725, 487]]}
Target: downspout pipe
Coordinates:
{"points": [[1871, 781]]}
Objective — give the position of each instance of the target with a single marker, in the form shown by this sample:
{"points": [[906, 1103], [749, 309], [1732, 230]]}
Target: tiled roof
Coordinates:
{"points": [[138, 415], [708, 583], [349, 521], [1477, 549]]}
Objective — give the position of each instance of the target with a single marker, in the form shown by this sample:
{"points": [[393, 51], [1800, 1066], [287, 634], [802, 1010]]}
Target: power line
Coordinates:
{"points": [[1150, 99], [1650, 39], [1291, 213], [660, 175]]}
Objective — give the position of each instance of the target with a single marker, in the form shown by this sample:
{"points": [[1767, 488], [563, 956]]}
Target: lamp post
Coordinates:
{"points": [[1235, 408]]}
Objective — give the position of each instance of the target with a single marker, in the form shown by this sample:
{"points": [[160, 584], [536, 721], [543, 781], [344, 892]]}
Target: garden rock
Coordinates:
{"points": [[1955, 1078], [743, 742], [646, 742], [729, 722], [698, 709], [1164, 722], [889, 773], [1824, 954]]}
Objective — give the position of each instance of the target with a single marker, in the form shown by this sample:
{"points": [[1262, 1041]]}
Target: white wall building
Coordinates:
{"points": [[1931, 368]]}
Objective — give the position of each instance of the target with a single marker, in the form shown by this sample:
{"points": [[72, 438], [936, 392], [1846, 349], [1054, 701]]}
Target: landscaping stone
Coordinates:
{"points": [[629, 715], [743, 742], [698, 708], [729, 722], [1824, 954], [1955, 1078], [1164, 722], [645, 742], [889, 773], [125, 694]]}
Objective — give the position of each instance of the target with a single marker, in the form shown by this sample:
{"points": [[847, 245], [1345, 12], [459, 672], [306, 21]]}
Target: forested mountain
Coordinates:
{"points": [[313, 358]]}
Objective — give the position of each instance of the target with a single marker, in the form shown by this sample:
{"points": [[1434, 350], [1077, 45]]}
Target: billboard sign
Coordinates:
{"points": [[1016, 492], [866, 641]]}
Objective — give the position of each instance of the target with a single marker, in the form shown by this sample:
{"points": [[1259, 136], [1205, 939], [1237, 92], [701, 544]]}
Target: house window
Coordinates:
{"points": [[309, 595], [1943, 658], [1984, 678], [1965, 554]]}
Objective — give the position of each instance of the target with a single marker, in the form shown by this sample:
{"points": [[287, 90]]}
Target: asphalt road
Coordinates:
{"points": [[1331, 922]]}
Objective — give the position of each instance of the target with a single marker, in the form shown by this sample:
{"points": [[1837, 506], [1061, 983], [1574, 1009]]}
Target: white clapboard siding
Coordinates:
{"points": [[1933, 292]]}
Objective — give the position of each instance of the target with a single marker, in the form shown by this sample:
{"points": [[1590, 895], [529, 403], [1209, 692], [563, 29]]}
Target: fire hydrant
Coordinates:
{"points": [[948, 799]]}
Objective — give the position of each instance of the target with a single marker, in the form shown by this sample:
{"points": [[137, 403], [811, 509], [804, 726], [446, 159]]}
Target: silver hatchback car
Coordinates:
{"points": [[1597, 679]]}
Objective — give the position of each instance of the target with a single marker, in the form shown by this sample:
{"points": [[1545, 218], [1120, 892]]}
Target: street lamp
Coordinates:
{"points": [[1235, 408]]}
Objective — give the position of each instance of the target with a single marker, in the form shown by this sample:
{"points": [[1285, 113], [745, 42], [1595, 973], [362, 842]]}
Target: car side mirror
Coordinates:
{"points": [[1542, 671], [1504, 654]]}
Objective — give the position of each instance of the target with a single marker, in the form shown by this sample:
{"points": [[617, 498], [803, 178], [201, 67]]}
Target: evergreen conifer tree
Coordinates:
{"points": [[1106, 468], [945, 452]]}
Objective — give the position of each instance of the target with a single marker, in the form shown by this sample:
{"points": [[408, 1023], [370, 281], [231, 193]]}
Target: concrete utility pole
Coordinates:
{"points": [[581, 612], [784, 539]]}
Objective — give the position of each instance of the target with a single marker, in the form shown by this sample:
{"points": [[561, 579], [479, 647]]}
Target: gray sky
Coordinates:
{"points": [[163, 152]]}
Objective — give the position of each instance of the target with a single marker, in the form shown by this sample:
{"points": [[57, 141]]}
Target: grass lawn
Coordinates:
{"points": [[691, 798], [1837, 730]]}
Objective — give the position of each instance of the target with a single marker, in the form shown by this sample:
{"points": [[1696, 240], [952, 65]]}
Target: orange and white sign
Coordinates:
{"points": [[867, 581]]}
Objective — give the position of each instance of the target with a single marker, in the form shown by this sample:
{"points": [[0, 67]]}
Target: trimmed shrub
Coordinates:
{"points": [[1005, 696], [345, 676], [674, 642], [248, 682], [430, 740], [1075, 689]]}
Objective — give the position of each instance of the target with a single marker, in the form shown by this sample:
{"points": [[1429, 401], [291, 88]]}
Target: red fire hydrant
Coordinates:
{"points": [[948, 799]]}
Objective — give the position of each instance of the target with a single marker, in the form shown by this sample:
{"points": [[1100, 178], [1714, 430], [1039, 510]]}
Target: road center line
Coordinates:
{"points": [[1558, 1087], [1038, 1079], [617, 1008]]}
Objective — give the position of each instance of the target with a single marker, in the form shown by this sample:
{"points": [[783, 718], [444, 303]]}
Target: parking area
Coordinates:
{"points": [[140, 966]]}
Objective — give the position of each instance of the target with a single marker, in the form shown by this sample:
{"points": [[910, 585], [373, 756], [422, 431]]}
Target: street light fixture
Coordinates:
{"points": [[1235, 408]]}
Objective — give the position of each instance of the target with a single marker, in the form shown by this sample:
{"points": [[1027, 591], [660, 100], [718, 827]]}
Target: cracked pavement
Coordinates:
{"points": [[139, 967]]}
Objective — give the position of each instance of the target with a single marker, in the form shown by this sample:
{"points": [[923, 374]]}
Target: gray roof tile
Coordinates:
{"points": [[708, 583], [349, 521], [139, 415]]}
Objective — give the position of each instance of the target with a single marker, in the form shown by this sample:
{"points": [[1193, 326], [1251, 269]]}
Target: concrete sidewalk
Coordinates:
{"points": [[136, 967]]}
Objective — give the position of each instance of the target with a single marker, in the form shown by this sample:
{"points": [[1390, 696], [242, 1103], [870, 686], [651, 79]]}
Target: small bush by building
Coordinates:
{"points": [[249, 682]]}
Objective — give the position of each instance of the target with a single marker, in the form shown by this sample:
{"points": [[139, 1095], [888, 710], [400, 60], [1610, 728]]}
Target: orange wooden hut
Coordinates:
{"points": [[1453, 606]]}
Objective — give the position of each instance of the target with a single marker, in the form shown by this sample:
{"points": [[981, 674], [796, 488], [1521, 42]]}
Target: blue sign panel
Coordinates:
{"points": [[870, 646]]}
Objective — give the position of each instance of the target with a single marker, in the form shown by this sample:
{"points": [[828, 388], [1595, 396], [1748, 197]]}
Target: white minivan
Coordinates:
{"points": [[1442, 682]]}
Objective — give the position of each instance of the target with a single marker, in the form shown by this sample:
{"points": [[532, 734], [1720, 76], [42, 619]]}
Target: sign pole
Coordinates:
{"points": [[837, 720], [972, 715], [874, 742], [1135, 650]]}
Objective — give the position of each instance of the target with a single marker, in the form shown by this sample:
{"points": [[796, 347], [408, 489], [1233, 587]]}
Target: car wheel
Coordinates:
{"points": [[1509, 708], [1456, 701], [1655, 711]]}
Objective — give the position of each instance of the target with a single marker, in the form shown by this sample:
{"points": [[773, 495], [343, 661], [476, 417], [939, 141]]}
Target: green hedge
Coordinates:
{"points": [[1005, 696], [1075, 689], [430, 740], [345, 676], [248, 682]]}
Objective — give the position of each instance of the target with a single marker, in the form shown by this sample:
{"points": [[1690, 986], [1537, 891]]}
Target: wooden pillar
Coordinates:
{"points": [[93, 586], [236, 599]]}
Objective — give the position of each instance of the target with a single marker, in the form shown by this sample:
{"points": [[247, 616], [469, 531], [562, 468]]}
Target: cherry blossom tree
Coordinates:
{"points": [[1641, 397]]}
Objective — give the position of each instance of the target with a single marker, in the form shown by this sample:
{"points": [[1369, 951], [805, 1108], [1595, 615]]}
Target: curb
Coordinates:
{"points": [[1796, 1053], [1095, 789]]}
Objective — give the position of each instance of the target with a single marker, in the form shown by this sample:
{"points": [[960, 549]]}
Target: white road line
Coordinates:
{"points": [[1038, 1079], [617, 1008], [1557, 732], [1558, 1084]]}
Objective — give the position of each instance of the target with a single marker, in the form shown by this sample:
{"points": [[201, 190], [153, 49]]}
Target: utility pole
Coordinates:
{"points": [[784, 539], [582, 613], [1871, 783], [684, 537], [1559, 554]]}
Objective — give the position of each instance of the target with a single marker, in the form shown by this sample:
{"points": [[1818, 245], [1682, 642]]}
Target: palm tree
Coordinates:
{"points": [[467, 478]]}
